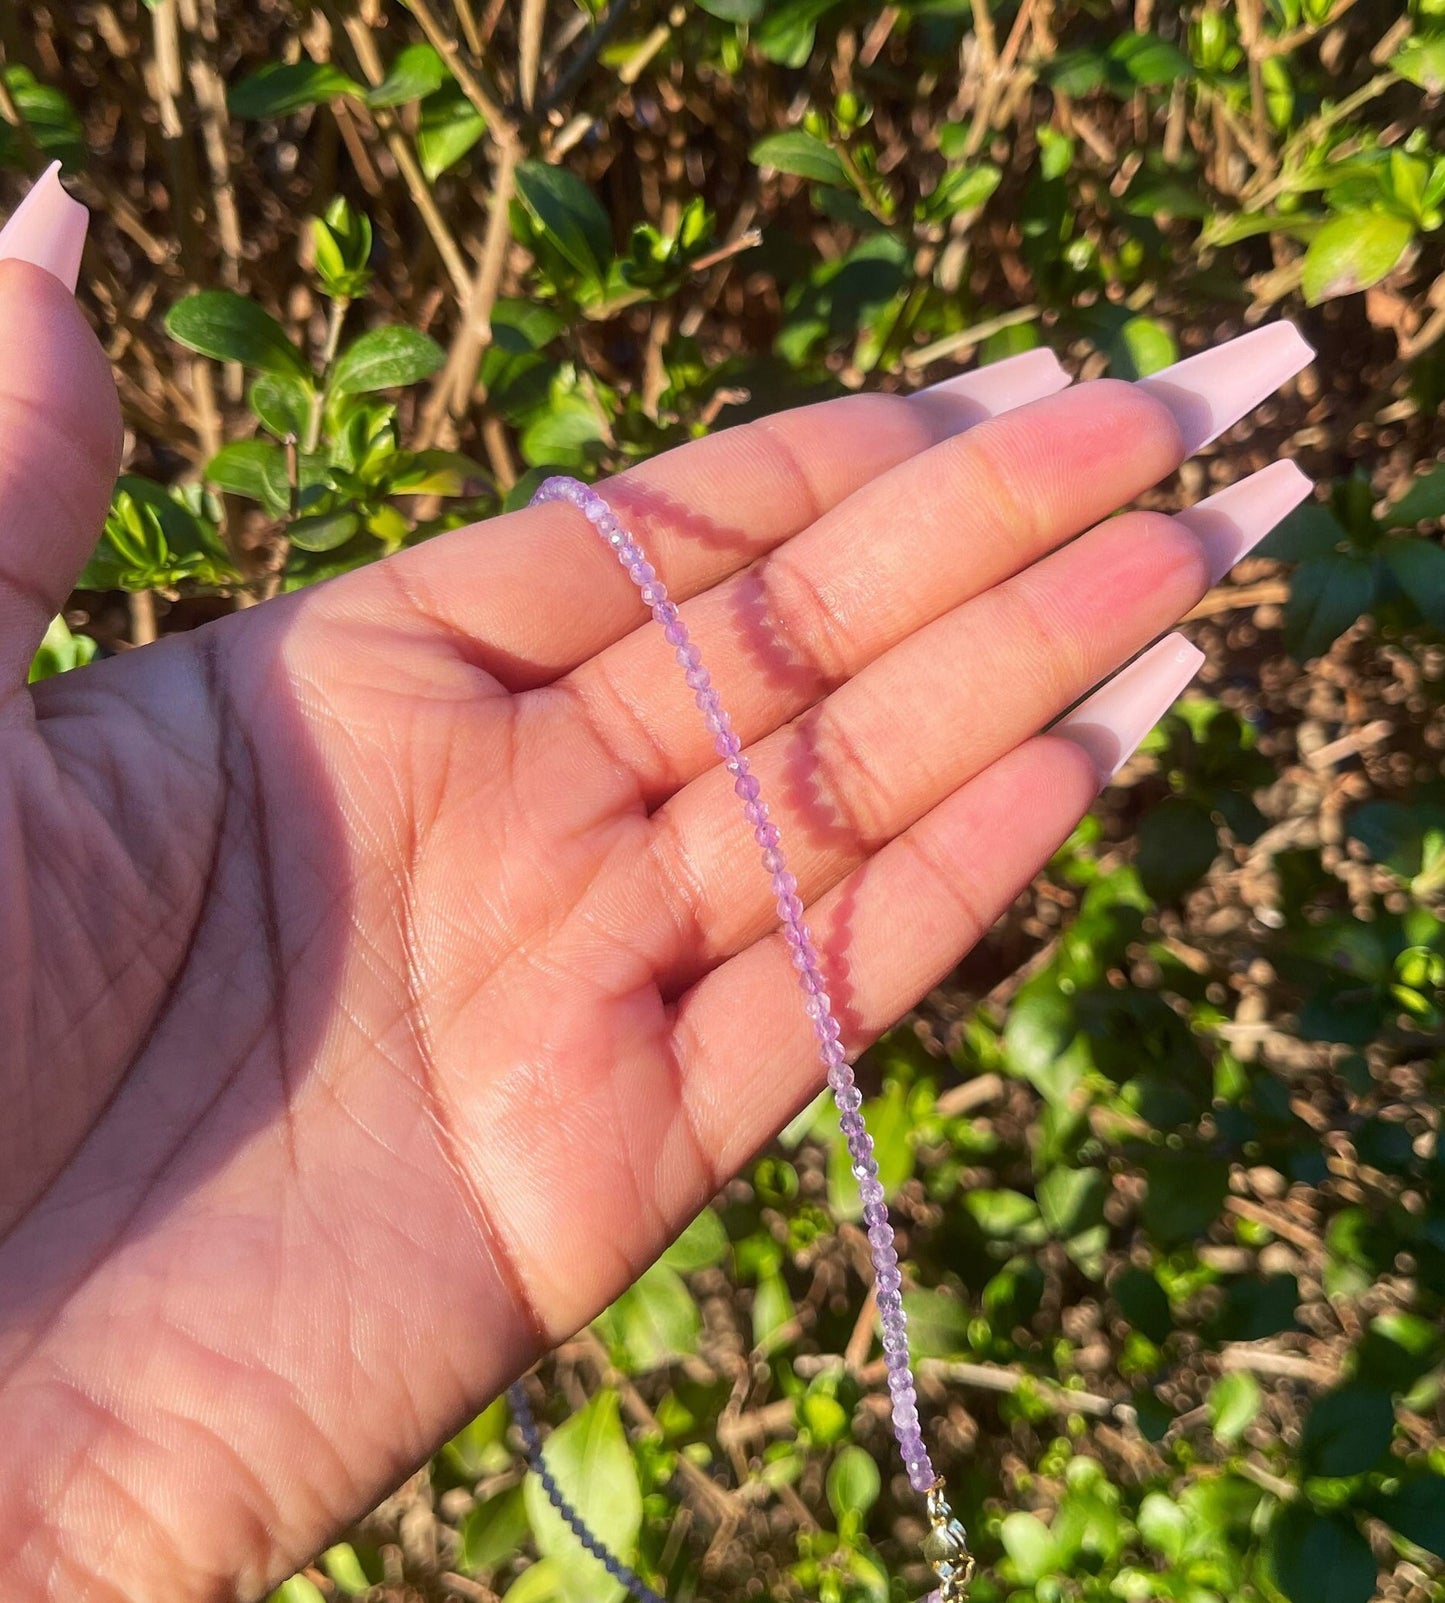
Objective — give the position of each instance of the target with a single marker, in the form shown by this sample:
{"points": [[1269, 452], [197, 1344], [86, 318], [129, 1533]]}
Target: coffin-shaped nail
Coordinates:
{"points": [[47, 229], [1110, 724], [1236, 519], [988, 391], [1208, 392]]}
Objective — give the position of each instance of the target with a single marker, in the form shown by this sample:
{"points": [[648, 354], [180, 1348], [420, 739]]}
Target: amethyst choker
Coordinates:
{"points": [[946, 1545]]}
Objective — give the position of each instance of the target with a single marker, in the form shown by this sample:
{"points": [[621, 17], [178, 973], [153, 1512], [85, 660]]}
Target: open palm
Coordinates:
{"points": [[386, 971]]}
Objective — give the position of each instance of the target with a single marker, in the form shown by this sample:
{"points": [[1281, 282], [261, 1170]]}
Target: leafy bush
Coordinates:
{"points": [[1165, 1152]]}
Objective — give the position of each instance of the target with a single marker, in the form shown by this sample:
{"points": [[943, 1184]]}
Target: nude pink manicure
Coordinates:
{"points": [[1235, 520], [1001, 386], [47, 229], [1208, 392], [1110, 724]]}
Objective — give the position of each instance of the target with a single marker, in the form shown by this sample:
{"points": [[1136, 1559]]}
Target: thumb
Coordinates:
{"points": [[60, 428]]}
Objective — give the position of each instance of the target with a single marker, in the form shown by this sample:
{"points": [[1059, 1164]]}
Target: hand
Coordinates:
{"points": [[387, 970]]}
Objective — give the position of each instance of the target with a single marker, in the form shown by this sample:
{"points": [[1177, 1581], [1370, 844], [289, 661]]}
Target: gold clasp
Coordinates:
{"points": [[946, 1548]]}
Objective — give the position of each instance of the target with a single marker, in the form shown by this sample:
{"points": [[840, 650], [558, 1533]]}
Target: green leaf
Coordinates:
{"points": [[654, 1321], [323, 531], [772, 1308], [590, 1460], [227, 326], [1186, 1192], [479, 1447], [1177, 844], [1424, 499], [493, 1531], [416, 72], [297, 1590], [1353, 251], [1030, 1545], [1326, 596], [740, 11], [1072, 1200], [1348, 1431], [1422, 62], [1233, 1403], [1164, 1525], [1149, 60], [282, 87], [1142, 346], [1256, 1306], [1395, 833], [853, 1484], [561, 436], [1144, 1303], [799, 152], [1038, 1039], [448, 127], [703, 1244], [255, 469], [1001, 1214], [787, 30], [345, 1568], [1417, 1511], [60, 651], [50, 118], [282, 403], [384, 359], [1319, 1558], [937, 1323], [1419, 570], [539, 1583], [569, 215]]}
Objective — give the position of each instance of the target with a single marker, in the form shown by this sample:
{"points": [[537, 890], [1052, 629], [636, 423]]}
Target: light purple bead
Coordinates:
{"points": [[789, 907], [756, 812], [920, 1474], [688, 656], [849, 1102], [889, 1302], [642, 571], [895, 1358], [747, 786], [698, 678], [676, 632], [652, 594], [881, 1234], [835, 1055], [876, 1213], [767, 836]]}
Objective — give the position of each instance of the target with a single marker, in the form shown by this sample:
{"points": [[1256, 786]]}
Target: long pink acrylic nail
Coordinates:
{"points": [[1002, 386], [1236, 519], [47, 229], [1110, 724], [1208, 392]]}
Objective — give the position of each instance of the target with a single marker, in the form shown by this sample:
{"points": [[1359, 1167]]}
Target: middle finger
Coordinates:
{"points": [[907, 549]]}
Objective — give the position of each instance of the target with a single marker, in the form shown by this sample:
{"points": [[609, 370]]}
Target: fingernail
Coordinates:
{"points": [[1110, 724], [47, 228], [1236, 519], [1208, 392], [1001, 386]]}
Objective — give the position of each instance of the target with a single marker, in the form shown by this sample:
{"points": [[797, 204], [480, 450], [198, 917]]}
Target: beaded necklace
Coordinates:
{"points": [[946, 1545]]}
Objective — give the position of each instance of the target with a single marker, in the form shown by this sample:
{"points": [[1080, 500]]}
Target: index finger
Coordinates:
{"points": [[536, 598]]}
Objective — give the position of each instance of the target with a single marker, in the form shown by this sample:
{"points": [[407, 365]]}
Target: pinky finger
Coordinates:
{"points": [[890, 931]]}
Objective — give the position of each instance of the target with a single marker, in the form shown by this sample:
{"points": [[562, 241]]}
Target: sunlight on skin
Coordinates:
{"points": [[383, 1001]]}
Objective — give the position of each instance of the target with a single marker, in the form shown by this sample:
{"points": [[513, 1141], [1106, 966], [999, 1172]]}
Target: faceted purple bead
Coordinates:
{"points": [[920, 1473], [756, 812], [881, 1234], [652, 594], [698, 678], [688, 656], [676, 632], [642, 571], [747, 786], [850, 1101], [889, 1302], [835, 1055], [767, 835]]}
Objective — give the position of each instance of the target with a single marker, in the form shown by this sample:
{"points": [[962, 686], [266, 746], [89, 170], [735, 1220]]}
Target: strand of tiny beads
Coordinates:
{"points": [[946, 1545]]}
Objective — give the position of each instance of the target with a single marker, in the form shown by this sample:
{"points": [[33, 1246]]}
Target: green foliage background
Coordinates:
{"points": [[1165, 1152]]}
